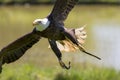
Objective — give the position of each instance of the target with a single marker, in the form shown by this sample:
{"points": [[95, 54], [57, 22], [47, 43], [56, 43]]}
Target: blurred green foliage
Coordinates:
{"points": [[30, 72], [50, 1]]}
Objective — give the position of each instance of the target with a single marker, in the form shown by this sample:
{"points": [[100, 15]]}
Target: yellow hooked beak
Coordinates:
{"points": [[35, 23]]}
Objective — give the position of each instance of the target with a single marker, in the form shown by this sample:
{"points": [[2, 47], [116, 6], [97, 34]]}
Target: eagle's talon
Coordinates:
{"points": [[62, 64]]}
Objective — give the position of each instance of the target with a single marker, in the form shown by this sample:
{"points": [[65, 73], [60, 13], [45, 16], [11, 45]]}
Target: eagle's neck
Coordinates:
{"points": [[43, 25]]}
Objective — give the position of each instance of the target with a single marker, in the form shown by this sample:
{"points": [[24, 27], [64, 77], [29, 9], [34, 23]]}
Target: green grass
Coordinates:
{"points": [[31, 72]]}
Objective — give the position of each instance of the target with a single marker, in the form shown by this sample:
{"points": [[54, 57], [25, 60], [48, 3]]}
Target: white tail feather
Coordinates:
{"points": [[68, 46]]}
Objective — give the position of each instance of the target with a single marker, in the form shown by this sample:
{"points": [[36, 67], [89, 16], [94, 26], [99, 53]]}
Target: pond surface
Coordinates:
{"points": [[107, 37], [103, 28]]}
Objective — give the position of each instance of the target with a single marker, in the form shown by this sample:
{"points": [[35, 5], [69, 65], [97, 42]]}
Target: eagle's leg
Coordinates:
{"points": [[71, 36], [58, 54]]}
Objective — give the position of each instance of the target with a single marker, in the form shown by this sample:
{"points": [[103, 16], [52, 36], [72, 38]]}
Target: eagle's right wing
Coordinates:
{"points": [[61, 9], [15, 50]]}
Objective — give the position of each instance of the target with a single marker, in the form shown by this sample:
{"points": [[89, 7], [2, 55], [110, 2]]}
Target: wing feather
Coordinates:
{"points": [[62, 9], [15, 50]]}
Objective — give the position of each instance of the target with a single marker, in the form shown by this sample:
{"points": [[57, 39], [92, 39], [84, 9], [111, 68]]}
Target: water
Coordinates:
{"points": [[107, 37]]}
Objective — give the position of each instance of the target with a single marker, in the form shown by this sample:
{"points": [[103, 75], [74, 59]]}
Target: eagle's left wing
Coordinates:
{"points": [[15, 50]]}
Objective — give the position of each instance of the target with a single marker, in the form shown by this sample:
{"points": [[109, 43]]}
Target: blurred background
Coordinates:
{"points": [[40, 63]]}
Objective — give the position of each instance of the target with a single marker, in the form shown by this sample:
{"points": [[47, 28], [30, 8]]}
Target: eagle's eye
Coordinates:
{"points": [[39, 22]]}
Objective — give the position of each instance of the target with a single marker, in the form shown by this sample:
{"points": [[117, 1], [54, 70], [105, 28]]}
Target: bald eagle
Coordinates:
{"points": [[52, 28]]}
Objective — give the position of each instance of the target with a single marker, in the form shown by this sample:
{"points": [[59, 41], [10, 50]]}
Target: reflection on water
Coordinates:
{"points": [[107, 37]]}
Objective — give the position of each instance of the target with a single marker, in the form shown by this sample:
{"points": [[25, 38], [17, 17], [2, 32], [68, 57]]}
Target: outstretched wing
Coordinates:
{"points": [[62, 9], [15, 50]]}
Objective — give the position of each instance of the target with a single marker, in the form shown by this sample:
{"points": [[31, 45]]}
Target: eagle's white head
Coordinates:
{"points": [[41, 24]]}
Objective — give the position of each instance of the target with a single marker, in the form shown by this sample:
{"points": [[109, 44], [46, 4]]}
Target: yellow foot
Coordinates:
{"points": [[62, 64]]}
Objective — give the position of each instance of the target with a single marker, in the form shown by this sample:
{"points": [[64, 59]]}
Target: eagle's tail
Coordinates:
{"points": [[68, 46]]}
